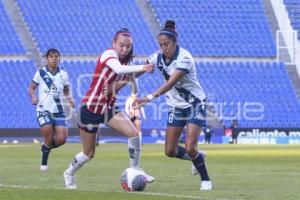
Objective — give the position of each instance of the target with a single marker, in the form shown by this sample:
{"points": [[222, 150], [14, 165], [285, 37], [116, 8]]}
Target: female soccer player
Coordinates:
{"points": [[53, 85], [98, 105], [185, 97]]}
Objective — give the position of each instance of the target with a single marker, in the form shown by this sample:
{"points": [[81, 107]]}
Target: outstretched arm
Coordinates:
{"points": [[115, 65], [176, 76]]}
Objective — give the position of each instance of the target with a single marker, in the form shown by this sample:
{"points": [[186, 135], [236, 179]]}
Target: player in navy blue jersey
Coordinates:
{"points": [[53, 85], [185, 97]]}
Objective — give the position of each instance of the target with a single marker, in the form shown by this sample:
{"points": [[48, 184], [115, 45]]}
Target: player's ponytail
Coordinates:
{"points": [[170, 24], [169, 30]]}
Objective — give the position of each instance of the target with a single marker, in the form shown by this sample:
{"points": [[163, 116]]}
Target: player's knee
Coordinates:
{"points": [[60, 141], [133, 133], [48, 141]]}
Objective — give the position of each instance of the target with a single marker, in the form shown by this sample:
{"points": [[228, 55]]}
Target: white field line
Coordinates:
{"points": [[135, 193]]}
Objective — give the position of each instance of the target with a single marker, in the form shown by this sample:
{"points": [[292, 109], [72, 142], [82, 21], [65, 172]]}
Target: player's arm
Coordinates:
{"points": [[115, 65], [176, 76], [31, 91], [68, 96], [141, 73]]}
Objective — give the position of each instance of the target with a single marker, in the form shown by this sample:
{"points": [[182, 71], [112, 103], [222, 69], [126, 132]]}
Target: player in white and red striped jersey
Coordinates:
{"points": [[98, 106]]}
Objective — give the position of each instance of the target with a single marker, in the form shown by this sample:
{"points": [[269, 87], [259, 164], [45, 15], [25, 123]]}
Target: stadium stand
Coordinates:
{"points": [[10, 43], [15, 107], [232, 28], [293, 8], [237, 87], [88, 30], [233, 88], [219, 28]]}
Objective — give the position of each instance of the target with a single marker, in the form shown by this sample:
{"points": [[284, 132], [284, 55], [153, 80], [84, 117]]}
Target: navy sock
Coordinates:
{"points": [[200, 166], [181, 153], [45, 153]]}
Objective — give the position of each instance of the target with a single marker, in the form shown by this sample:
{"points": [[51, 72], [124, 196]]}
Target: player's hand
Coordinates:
{"points": [[34, 101], [138, 103], [149, 68]]}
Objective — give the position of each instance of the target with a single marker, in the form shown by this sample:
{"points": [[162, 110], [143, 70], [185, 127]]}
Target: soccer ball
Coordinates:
{"points": [[133, 179]]}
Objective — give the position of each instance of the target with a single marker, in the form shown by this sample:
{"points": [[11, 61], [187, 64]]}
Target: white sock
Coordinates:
{"points": [[134, 149], [140, 134], [79, 160]]}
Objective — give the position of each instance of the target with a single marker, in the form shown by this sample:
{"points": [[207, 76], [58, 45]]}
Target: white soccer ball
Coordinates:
{"points": [[133, 179]]}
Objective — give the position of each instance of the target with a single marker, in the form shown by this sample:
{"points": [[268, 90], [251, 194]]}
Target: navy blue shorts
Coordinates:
{"points": [[90, 121], [55, 119], [195, 114]]}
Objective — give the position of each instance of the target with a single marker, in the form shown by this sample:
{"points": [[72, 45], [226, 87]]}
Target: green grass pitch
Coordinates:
{"points": [[238, 172]]}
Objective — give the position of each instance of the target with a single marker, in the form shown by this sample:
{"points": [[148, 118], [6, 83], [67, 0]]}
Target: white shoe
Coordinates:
{"points": [[206, 185], [44, 168], [148, 177], [70, 181], [194, 170]]}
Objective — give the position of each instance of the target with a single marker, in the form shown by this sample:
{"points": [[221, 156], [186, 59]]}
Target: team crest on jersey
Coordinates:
{"points": [[186, 60], [53, 87], [62, 78]]}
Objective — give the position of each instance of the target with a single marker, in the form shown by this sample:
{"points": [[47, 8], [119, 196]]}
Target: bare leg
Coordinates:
{"points": [[191, 149], [61, 134], [172, 140]]}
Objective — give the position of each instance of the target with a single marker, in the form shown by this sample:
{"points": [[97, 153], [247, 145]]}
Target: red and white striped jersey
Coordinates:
{"points": [[101, 95]]}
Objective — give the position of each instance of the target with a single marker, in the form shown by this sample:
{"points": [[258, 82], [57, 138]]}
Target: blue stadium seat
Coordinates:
{"points": [[88, 30], [10, 44], [236, 86], [240, 27]]}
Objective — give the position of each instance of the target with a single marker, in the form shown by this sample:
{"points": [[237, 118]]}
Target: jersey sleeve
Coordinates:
{"points": [[152, 59], [108, 54], [185, 64], [36, 79], [65, 80]]}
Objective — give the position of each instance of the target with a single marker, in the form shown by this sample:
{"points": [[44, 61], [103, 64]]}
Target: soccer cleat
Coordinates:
{"points": [[194, 170], [206, 185], [148, 177], [44, 168], [70, 181]]}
